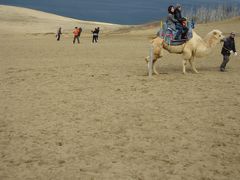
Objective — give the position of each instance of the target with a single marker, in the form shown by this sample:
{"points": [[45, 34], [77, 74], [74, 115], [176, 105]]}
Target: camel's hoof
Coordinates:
{"points": [[156, 72], [147, 59]]}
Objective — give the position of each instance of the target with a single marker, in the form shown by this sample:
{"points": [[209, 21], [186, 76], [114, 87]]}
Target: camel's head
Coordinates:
{"points": [[218, 35], [214, 37]]}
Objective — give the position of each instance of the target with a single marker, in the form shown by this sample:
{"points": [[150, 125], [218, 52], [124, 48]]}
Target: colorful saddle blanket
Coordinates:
{"points": [[169, 34]]}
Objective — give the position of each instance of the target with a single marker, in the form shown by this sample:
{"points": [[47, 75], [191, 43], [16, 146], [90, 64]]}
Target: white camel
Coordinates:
{"points": [[195, 47]]}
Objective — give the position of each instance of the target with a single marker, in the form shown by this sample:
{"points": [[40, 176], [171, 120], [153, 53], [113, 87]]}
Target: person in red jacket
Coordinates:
{"points": [[76, 35]]}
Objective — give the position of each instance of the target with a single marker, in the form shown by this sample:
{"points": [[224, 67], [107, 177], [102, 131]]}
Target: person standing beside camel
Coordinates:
{"points": [[228, 49], [76, 35]]}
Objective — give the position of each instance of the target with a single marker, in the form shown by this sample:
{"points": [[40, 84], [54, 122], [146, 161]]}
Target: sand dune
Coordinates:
{"points": [[23, 20], [89, 111]]}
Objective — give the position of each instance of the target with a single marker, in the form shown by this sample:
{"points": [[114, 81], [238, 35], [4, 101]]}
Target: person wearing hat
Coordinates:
{"points": [[228, 49]]}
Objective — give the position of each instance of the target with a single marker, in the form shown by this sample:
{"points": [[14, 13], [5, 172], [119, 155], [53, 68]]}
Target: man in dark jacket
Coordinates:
{"points": [[182, 30], [95, 35], [228, 49]]}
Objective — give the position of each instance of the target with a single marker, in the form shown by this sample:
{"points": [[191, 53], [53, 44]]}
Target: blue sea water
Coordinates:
{"points": [[114, 11]]}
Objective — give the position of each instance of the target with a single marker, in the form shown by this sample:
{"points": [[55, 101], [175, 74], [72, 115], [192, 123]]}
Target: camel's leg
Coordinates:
{"points": [[184, 66], [192, 63], [154, 64], [156, 52], [147, 59], [154, 67]]}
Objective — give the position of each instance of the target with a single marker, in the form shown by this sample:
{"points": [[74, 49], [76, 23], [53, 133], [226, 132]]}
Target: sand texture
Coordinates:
{"points": [[90, 112]]}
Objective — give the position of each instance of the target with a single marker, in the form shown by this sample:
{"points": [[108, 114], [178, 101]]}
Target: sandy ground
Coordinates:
{"points": [[27, 21], [89, 111]]}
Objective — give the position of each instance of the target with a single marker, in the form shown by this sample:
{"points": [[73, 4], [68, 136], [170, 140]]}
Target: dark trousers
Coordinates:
{"points": [[95, 38], [58, 37], [184, 33], [179, 29], [74, 39], [225, 61]]}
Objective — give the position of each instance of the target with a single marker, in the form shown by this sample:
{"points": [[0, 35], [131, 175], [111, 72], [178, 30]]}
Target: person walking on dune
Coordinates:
{"points": [[76, 35], [79, 33], [95, 35], [58, 35], [98, 30], [228, 49]]}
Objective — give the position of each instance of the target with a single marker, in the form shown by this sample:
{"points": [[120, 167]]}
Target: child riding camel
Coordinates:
{"points": [[181, 25]]}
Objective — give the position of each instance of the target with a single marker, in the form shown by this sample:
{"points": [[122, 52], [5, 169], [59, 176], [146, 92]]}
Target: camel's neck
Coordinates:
{"points": [[210, 43], [204, 46]]}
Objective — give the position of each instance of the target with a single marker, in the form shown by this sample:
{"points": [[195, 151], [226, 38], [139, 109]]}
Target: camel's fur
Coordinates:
{"points": [[195, 47]]}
